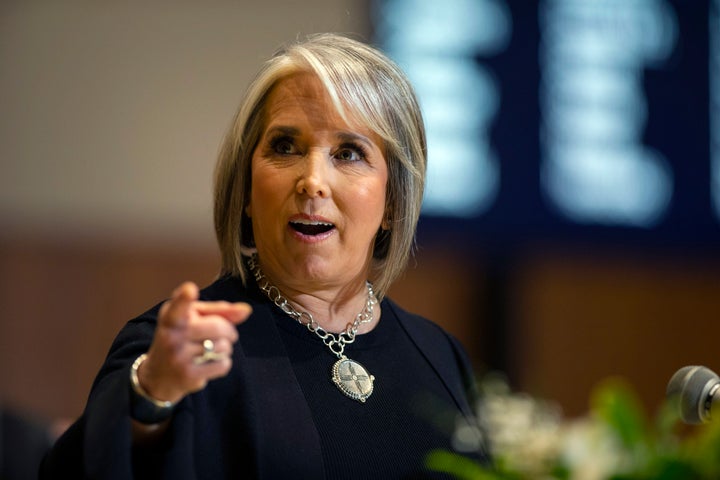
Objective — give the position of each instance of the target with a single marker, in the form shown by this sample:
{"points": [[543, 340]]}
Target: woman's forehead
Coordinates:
{"points": [[303, 98]]}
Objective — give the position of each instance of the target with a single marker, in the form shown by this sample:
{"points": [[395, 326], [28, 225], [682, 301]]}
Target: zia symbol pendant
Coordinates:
{"points": [[352, 379]]}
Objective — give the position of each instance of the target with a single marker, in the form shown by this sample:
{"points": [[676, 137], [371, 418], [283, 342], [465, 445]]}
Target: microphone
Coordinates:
{"points": [[695, 391]]}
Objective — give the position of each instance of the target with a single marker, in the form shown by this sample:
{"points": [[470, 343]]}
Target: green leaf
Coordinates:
{"points": [[616, 403]]}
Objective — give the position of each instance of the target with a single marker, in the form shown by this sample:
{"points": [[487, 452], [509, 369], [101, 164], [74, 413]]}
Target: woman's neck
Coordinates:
{"points": [[334, 312], [333, 307]]}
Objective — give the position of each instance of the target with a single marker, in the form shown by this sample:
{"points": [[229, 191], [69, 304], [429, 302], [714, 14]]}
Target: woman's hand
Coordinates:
{"points": [[170, 371]]}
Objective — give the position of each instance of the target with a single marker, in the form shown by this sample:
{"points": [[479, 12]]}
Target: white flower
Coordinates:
{"points": [[591, 451], [524, 433]]}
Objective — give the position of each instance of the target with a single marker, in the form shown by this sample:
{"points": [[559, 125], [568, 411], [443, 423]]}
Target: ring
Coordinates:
{"points": [[208, 347], [209, 353]]}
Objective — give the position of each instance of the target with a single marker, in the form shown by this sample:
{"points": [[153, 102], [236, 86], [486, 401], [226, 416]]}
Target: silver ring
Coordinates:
{"points": [[209, 353]]}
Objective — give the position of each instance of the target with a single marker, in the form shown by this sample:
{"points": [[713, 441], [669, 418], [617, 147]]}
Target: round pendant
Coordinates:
{"points": [[352, 379]]}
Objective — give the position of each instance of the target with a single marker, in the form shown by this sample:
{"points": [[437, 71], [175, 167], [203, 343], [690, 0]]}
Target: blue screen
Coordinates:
{"points": [[565, 119]]}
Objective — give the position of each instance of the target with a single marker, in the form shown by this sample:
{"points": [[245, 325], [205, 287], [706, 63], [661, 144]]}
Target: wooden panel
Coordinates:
{"points": [[62, 305], [582, 318], [566, 320]]}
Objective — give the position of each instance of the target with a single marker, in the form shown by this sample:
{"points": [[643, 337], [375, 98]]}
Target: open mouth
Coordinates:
{"points": [[311, 228]]}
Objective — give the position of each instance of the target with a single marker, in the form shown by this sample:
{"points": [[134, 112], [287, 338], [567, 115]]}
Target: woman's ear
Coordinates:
{"points": [[385, 225], [248, 210]]}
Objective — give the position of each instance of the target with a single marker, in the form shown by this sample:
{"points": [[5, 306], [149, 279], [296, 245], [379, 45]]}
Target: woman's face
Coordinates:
{"points": [[317, 194]]}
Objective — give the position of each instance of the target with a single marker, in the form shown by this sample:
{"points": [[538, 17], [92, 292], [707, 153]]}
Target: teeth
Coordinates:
{"points": [[309, 222], [308, 227]]}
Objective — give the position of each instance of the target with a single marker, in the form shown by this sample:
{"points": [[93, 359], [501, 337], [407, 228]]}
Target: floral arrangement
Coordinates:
{"points": [[529, 439]]}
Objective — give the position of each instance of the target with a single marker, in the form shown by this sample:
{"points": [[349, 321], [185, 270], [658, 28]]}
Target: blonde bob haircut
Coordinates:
{"points": [[366, 87]]}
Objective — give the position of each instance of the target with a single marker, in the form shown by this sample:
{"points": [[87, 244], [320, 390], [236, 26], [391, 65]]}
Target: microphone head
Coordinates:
{"points": [[691, 388]]}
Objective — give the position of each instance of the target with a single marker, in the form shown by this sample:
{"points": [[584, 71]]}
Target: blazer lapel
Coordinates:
{"points": [[444, 357], [285, 427]]}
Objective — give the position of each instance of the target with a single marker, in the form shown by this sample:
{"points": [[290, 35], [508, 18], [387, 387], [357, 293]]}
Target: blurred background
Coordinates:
{"points": [[571, 228]]}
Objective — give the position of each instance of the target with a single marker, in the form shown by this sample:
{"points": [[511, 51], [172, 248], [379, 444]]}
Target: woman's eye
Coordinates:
{"points": [[283, 146], [350, 154]]}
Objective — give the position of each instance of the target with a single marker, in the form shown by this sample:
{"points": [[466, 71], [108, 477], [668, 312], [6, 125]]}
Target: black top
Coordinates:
{"points": [[277, 414], [408, 414]]}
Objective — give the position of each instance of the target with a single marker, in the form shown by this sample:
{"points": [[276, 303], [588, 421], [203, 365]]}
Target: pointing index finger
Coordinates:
{"points": [[234, 312], [176, 311]]}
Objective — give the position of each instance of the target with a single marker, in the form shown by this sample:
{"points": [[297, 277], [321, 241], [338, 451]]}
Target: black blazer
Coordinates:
{"points": [[253, 423]]}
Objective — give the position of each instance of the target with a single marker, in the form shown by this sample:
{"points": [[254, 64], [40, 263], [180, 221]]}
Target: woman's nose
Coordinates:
{"points": [[314, 176]]}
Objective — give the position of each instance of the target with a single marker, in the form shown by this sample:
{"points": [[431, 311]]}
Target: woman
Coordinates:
{"points": [[293, 363]]}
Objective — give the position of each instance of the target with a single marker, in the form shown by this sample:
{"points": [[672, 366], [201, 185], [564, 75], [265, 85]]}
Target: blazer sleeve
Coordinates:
{"points": [[99, 445]]}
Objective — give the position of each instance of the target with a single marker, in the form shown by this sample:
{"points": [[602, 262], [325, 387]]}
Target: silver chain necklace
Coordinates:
{"points": [[350, 377]]}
